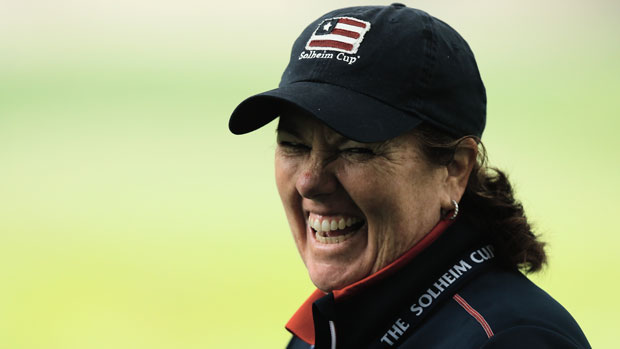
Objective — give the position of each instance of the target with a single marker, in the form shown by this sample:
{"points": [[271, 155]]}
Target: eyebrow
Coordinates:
{"points": [[287, 130], [339, 139]]}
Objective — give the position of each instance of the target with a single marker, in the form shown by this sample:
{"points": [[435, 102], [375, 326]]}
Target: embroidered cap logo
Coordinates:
{"points": [[343, 34]]}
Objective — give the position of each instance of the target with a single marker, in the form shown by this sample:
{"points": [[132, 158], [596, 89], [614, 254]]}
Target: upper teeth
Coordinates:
{"points": [[332, 224]]}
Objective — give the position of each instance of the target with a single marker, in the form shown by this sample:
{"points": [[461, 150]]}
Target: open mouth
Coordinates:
{"points": [[334, 230]]}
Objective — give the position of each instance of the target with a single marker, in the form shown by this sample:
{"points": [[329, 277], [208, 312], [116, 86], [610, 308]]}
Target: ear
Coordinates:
{"points": [[459, 170]]}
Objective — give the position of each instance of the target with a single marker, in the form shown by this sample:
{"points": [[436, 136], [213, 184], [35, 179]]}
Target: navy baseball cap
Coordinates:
{"points": [[372, 73]]}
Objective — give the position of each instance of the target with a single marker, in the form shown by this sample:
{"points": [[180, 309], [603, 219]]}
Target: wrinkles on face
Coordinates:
{"points": [[388, 185]]}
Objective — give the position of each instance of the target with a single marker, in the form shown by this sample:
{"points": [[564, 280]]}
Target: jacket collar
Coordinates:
{"points": [[302, 323]]}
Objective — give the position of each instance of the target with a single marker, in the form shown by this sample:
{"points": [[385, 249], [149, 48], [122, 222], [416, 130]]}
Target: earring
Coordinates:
{"points": [[456, 210]]}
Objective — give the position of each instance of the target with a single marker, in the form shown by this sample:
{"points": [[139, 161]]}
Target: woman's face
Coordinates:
{"points": [[354, 207]]}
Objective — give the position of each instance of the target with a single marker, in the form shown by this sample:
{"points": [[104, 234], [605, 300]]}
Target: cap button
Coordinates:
{"points": [[398, 5]]}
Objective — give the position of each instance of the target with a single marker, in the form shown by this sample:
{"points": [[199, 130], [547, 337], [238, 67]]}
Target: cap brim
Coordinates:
{"points": [[354, 115]]}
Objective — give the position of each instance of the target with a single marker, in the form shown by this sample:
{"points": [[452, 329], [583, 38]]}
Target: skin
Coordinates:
{"points": [[389, 185]]}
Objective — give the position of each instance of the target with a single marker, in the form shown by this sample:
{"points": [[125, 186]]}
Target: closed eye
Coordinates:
{"points": [[293, 146], [358, 150]]}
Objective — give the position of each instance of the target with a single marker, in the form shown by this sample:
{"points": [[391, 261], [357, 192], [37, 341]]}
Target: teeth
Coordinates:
{"points": [[333, 239], [316, 225], [325, 225], [332, 224], [341, 224]]}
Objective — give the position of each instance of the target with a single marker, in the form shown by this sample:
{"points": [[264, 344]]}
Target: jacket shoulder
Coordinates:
{"points": [[495, 308], [513, 307], [531, 336]]}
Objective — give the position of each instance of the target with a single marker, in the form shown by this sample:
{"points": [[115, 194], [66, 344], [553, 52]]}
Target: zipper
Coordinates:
{"points": [[332, 330]]}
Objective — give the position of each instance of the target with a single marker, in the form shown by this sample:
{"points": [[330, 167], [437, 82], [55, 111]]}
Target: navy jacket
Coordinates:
{"points": [[450, 293]]}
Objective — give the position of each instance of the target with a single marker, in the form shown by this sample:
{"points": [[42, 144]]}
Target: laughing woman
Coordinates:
{"points": [[411, 240]]}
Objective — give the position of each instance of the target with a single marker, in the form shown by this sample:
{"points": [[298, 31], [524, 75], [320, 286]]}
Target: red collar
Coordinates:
{"points": [[302, 324]]}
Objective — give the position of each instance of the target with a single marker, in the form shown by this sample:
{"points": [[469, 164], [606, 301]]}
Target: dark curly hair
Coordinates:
{"points": [[488, 203]]}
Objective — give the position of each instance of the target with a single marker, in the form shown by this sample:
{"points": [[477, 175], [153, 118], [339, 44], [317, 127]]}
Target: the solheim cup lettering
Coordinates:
{"points": [[393, 334], [424, 301], [328, 55], [444, 281], [448, 278]]}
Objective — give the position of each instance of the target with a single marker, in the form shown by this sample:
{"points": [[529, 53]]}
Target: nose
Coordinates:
{"points": [[316, 180]]}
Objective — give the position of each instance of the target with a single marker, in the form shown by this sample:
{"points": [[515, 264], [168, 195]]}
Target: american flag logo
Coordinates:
{"points": [[342, 34]]}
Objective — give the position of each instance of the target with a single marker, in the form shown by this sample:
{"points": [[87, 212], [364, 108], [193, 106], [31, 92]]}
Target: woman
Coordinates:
{"points": [[409, 238]]}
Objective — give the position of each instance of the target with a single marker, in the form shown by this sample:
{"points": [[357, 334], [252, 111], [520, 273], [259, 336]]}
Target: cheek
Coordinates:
{"points": [[403, 205], [375, 196], [285, 173], [420, 205]]}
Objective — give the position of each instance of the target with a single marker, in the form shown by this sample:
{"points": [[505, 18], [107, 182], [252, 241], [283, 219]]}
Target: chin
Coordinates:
{"points": [[331, 278], [336, 265], [329, 285]]}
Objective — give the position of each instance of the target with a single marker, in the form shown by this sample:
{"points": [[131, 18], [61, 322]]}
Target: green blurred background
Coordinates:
{"points": [[131, 218]]}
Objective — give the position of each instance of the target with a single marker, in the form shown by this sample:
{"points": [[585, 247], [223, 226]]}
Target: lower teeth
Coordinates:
{"points": [[332, 239]]}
